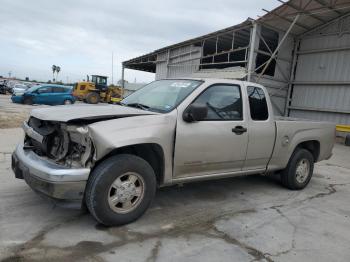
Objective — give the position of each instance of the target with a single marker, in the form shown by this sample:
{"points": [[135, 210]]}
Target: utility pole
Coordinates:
{"points": [[112, 69], [123, 69]]}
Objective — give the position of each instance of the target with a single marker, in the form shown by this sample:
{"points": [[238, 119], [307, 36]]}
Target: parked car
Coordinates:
{"points": [[45, 94], [3, 87], [7, 86], [10, 84], [19, 89], [113, 157]]}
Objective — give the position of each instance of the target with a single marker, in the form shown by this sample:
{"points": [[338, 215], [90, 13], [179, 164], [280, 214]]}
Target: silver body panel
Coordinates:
{"points": [[152, 129], [299, 131]]}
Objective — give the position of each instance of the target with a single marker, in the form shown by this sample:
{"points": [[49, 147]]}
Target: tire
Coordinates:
{"points": [[93, 98], [293, 180], [28, 101], [99, 193], [347, 140], [67, 102]]}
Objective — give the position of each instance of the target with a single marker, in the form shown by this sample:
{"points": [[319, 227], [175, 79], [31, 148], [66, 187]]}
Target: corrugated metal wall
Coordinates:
{"points": [[322, 81], [162, 66], [179, 62]]}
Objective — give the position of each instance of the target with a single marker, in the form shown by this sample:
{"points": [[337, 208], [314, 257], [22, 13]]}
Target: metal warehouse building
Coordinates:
{"points": [[300, 51]]}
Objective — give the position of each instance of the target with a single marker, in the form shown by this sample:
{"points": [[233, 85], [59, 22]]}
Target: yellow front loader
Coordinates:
{"points": [[96, 90]]}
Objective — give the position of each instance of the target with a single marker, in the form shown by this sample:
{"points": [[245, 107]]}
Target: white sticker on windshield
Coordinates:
{"points": [[180, 84]]}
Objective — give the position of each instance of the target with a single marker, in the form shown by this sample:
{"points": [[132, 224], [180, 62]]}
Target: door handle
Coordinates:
{"points": [[239, 130]]}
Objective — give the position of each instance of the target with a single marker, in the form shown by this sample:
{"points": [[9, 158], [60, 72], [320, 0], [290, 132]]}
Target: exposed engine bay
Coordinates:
{"points": [[65, 144]]}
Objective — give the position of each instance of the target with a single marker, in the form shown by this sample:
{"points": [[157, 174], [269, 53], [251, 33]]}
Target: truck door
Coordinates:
{"points": [[217, 144], [261, 130]]}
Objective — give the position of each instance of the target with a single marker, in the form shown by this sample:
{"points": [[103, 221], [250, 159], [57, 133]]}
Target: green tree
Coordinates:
{"points": [[58, 69], [54, 68]]}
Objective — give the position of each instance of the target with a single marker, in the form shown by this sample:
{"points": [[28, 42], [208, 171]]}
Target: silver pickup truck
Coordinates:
{"points": [[113, 157]]}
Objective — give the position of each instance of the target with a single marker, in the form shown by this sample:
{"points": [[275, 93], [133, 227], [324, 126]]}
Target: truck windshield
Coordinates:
{"points": [[161, 96]]}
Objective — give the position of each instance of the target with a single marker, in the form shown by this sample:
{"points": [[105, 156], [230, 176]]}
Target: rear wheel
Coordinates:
{"points": [[347, 140], [28, 101], [92, 98], [299, 170], [67, 102], [120, 189]]}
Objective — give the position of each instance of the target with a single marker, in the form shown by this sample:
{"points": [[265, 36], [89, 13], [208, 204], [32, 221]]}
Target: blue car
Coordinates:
{"points": [[45, 94]]}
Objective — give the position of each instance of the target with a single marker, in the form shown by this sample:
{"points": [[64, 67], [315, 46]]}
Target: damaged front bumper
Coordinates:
{"points": [[49, 178]]}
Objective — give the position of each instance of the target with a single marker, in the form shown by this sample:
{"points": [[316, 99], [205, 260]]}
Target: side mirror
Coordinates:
{"points": [[195, 112]]}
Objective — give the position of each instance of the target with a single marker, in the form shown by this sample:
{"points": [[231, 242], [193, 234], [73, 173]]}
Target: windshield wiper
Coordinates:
{"points": [[138, 105]]}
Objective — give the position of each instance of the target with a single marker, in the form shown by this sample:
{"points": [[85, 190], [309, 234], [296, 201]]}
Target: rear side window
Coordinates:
{"points": [[58, 89], [45, 89], [257, 103], [224, 102]]}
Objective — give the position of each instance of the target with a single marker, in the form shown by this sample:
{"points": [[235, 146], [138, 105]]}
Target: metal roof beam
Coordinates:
{"points": [[287, 19], [278, 29], [324, 25], [279, 46], [302, 11], [324, 4], [314, 10]]}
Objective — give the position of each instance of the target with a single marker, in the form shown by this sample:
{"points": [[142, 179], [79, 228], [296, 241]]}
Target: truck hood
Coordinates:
{"points": [[86, 113]]}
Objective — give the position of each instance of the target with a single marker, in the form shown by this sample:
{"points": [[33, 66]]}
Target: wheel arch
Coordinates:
{"points": [[313, 146], [152, 153]]}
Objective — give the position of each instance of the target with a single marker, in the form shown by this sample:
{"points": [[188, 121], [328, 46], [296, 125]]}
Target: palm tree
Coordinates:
{"points": [[54, 68], [58, 69]]}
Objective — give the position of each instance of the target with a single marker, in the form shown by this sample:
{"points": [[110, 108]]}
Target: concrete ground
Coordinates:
{"points": [[240, 219], [12, 114]]}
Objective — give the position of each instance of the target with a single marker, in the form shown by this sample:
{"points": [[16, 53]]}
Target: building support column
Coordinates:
{"points": [[291, 77], [167, 63], [251, 66]]}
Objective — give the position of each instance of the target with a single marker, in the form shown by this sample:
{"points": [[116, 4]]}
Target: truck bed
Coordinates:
{"points": [[291, 132]]}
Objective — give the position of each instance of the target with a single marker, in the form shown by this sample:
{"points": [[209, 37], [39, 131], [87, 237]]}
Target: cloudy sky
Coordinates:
{"points": [[80, 36]]}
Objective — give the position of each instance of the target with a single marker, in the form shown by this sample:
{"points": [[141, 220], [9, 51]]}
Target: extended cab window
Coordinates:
{"points": [[224, 102], [257, 103]]}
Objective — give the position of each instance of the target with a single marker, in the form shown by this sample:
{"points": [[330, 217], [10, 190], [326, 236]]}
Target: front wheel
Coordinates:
{"points": [[92, 98], [120, 189], [299, 170], [28, 101]]}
